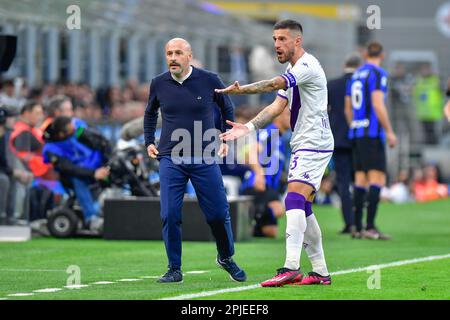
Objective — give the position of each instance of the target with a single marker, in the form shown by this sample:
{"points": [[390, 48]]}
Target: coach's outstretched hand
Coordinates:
{"points": [[235, 88], [238, 130], [152, 151]]}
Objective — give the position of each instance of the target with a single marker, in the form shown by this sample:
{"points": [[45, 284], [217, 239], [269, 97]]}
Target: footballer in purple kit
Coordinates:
{"points": [[303, 87]]}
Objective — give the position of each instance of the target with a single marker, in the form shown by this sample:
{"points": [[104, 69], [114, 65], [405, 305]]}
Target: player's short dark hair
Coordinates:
{"points": [[29, 106], [288, 24], [374, 49], [55, 104]]}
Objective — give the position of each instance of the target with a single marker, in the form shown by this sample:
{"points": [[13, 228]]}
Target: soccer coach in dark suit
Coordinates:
{"points": [[342, 155], [185, 97]]}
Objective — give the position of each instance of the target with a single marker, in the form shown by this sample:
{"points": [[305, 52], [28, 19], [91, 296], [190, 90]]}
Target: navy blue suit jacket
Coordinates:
{"points": [[181, 105]]}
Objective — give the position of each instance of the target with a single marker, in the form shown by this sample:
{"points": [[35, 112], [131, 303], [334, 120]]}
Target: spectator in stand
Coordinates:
{"points": [[37, 94], [418, 184], [427, 186], [26, 143], [60, 106], [113, 99], [9, 97], [8, 174], [26, 139], [143, 92], [132, 87], [428, 100]]}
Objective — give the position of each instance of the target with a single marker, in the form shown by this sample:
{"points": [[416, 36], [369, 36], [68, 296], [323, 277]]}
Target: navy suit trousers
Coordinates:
{"points": [[208, 185]]}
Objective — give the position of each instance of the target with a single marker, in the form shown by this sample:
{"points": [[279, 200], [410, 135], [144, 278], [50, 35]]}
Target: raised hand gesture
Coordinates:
{"points": [[235, 88], [238, 130]]}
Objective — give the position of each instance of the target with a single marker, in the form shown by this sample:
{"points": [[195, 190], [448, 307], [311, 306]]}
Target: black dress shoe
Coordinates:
{"points": [[172, 275]]}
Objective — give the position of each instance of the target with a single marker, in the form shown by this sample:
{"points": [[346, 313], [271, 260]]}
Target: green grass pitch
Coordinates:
{"points": [[418, 230]]}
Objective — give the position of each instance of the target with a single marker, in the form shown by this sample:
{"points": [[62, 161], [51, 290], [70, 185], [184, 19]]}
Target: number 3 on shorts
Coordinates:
{"points": [[294, 163]]}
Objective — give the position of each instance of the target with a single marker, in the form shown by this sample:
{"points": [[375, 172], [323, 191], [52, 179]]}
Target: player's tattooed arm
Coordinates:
{"points": [[274, 84], [256, 87], [261, 120], [269, 113]]}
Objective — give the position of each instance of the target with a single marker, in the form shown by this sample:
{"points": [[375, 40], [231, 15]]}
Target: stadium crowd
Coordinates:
{"points": [[111, 103]]}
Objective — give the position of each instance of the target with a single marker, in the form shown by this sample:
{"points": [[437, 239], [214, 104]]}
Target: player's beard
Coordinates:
{"points": [[286, 57]]}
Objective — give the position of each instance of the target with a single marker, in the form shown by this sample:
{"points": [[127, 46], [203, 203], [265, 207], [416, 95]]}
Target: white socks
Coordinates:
{"points": [[302, 230], [313, 246], [295, 231]]}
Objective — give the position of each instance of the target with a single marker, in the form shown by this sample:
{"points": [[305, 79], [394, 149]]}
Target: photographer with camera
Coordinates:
{"points": [[79, 155]]}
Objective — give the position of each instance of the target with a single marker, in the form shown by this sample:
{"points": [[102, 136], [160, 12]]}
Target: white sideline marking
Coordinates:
{"points": [[20, 294], [378, 266], [31, 270], [77, 286], [47, 290], [197, 272], [129, 280], [392, 264]]}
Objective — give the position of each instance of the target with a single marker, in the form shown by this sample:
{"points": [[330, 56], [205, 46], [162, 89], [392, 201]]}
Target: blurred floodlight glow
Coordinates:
{"points": [[211, 8]]}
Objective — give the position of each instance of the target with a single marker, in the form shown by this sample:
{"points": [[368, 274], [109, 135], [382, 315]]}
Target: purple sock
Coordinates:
{"points": [[308, 208], [295, 201]]}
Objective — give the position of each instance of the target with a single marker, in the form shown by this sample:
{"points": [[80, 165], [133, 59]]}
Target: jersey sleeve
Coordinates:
{"points": [[151, 116], [378, 81], [300, 73], [283, 94]]}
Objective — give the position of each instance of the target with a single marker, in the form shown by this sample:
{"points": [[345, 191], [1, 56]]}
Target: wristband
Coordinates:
{"points": [[250, 126]]}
